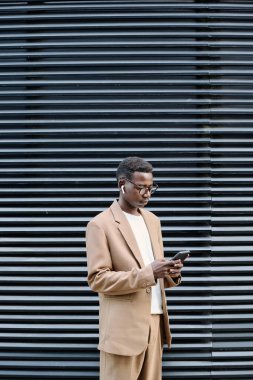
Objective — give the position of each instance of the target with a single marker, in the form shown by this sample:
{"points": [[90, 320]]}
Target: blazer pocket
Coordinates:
{"points": [[124, 297]]}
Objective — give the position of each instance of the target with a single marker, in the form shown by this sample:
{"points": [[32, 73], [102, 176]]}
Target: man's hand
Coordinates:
{"points": [[163, 268]]}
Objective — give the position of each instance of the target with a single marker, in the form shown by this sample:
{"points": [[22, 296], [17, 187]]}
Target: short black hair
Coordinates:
{"points": [[129, 165]]}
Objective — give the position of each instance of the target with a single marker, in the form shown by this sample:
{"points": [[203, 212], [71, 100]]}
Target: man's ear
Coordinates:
{"points": [[121, 183]]}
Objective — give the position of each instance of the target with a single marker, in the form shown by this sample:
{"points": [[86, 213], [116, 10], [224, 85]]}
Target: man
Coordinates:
{"points": [[126, 266]]}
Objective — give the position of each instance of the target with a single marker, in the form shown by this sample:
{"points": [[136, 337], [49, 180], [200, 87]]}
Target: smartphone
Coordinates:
{"points": [[182, 255]]}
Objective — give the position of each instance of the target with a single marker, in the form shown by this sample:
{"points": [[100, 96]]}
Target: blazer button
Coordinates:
{"points": [[148, 290]]}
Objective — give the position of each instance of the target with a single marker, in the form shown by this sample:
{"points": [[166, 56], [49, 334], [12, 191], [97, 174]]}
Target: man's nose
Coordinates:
{"points": [[147, 193]]}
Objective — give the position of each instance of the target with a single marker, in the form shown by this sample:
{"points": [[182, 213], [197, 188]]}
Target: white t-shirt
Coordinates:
{"points": [[142, 237]]}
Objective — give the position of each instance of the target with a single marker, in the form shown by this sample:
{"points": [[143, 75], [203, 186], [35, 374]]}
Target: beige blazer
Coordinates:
{"points": [[117, 272]]}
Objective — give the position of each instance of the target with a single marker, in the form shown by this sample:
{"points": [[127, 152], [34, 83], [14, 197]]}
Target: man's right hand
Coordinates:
{"points": [[163, 268]]}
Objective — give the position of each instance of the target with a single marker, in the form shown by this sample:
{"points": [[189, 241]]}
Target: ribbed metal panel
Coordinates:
{"points": [[82, 85]]}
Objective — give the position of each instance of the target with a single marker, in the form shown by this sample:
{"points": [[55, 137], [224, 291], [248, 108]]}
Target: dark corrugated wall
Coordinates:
{"points": [[82, 85]]}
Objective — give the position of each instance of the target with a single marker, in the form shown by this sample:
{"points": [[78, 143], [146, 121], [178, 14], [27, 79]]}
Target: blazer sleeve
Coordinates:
{"points": [[101, 276]]}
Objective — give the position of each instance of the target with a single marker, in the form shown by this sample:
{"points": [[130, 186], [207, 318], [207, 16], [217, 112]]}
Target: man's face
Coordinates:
{"points": [[133, 193]]}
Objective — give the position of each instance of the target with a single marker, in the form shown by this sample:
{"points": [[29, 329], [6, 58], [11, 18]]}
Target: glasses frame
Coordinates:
{"points": [[142, 188]]}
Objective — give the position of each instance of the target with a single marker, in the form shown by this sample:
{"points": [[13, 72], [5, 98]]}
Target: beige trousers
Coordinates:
{"points": [[145, 366]]}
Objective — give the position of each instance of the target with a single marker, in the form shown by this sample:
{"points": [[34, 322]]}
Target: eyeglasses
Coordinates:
{"points": [[143, 189]]}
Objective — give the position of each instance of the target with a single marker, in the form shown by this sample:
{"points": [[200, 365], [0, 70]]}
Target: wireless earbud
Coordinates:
{"points": [[122, 189]]}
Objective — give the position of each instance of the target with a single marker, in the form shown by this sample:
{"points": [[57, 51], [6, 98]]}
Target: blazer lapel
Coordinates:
{"points": [[126, 232], [152, 229]]}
